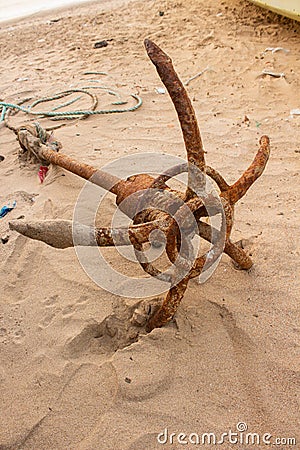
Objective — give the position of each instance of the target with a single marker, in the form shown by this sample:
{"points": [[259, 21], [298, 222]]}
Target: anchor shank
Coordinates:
{"points": [[45, 153]]}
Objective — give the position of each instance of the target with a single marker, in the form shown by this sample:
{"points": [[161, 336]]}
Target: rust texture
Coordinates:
{"points": [[31, 144], [241, 186], [60, 233], [182, 103], [177, 214]]}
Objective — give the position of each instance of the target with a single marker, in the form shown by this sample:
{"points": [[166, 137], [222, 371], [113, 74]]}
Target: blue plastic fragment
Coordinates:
{"points": [[6, 208]]}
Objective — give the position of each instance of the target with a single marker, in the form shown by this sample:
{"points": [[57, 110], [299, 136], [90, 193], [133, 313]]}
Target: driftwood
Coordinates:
{"points": [[173, 211]]}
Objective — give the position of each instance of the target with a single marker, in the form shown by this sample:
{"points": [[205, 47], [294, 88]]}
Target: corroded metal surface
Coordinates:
{"points": [[241, 186], [152, 204], [182, 103]]}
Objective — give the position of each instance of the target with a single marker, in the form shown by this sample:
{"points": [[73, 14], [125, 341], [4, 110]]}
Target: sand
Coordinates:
{"points": [[232, 354]]}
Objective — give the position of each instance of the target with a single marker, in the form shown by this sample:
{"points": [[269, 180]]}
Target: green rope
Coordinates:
{"points": [[63, 105], [3, 112], [108, 90], [58, 115], [74, 113], [119, 102], [42, 134]]}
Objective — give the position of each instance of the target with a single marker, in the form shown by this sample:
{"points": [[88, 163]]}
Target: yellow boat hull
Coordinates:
{"points": [[288, 8]]}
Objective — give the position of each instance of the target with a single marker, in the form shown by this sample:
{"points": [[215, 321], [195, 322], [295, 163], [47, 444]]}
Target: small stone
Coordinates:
{"points": [[5, 239], [127, 380], [160, 90], [161, 13], [100, 44], [2, 158], [246, 121], [139, 318]]}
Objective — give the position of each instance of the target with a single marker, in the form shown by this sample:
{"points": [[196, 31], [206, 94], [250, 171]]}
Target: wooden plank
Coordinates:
{"points": [[288, 8]]}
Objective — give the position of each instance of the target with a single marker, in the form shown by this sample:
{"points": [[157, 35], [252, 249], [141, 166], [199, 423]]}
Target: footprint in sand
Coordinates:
{"points": [[49, 317], [21, 268], [90, 391], [51, 311], [70, 309]]}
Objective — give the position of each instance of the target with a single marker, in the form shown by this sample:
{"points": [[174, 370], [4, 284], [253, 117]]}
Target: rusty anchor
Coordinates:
{"points": [[168, 210]]}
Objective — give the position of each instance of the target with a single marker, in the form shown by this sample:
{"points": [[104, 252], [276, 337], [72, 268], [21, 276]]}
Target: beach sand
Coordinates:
{"points": [[232, 354]]}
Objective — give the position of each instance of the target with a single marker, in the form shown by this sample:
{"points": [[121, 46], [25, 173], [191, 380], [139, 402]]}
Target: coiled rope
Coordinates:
{"points": [[6, 108]]}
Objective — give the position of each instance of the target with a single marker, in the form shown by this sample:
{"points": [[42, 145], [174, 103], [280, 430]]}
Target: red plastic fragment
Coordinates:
{"points": [[42, 173]]}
